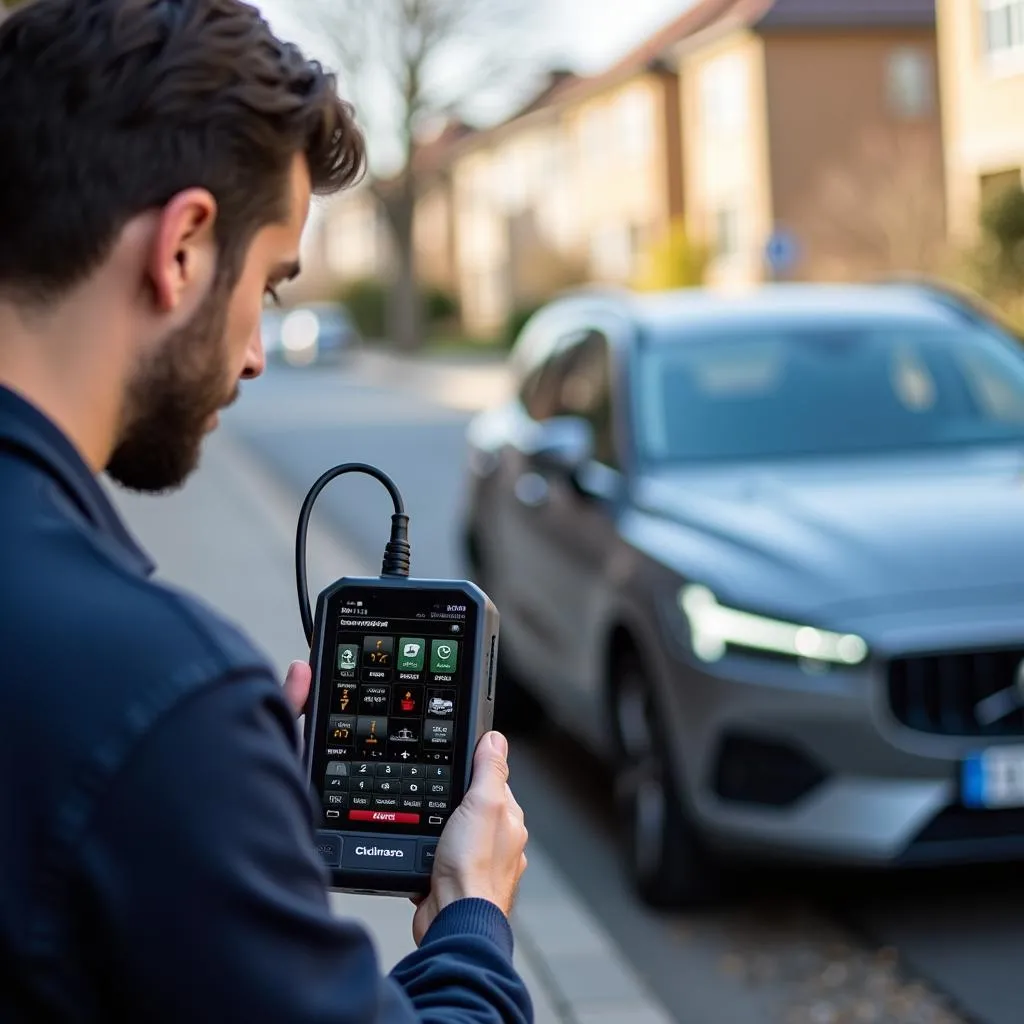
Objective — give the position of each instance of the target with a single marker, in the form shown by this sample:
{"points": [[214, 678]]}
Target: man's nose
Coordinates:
{"points": [[255, 357]]}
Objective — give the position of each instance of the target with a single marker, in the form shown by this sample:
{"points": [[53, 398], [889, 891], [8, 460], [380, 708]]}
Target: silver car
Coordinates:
{"points": [[765, 555]]}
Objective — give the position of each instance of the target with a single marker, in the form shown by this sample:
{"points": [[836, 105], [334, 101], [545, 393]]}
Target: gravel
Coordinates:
{"points": [[826, 977]]}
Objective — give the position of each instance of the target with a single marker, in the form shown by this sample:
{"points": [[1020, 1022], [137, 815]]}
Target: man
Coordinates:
{"points": [[157, 159]]}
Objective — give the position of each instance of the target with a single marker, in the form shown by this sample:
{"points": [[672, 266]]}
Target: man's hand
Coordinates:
{"points": [[296, 685], [482, 849]]}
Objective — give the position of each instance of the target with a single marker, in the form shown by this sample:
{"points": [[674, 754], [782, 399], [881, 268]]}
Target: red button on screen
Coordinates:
{"points": [[393, 816]]}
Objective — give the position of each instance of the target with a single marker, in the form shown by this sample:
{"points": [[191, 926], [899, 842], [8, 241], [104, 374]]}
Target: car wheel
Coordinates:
{"points": [[664, 855]]}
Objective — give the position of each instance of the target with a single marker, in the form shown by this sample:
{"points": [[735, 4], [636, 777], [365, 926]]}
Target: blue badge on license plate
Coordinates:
{"points": [[993, 778]]}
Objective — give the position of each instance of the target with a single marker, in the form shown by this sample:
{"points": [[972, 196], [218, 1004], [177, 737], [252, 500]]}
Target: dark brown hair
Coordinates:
{"points": [[109, 108]]}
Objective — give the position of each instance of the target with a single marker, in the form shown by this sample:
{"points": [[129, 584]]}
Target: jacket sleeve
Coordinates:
{"points": [[202, 896]]}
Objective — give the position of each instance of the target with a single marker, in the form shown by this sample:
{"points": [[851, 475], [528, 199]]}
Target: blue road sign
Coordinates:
{"points": [[781, 251]]}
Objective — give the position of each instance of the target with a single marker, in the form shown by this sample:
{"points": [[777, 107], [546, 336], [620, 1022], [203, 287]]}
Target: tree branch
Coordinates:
{"points": [[402, 61]]}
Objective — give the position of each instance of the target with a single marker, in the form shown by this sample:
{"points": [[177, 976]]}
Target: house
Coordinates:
{"points": [[572, 188], [811, 136], [516, 230], [795, 138], [356, 240], [981, 46]]}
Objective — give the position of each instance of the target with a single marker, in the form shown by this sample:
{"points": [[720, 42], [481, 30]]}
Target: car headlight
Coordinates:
{"points": [[715, 628]]}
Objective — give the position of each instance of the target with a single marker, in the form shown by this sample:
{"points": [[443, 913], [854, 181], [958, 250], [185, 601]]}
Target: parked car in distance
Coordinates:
{"points": [[765, 555], [312, 334]]}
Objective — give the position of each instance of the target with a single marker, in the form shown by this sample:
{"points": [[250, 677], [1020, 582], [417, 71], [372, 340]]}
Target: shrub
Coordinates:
{"points": [[673, 261], [367, 301], [440, 306], [516, 321], [1002, 222]]}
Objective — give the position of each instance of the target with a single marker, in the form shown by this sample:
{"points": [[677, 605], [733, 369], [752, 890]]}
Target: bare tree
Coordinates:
{"points": [[405, 63], [882, 210]]}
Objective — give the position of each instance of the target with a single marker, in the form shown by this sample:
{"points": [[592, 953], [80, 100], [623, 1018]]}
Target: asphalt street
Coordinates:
{"points": [[794, 948]]}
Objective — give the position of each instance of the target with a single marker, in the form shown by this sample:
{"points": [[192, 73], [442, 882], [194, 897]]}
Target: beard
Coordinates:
{"points": [[170, 401]]}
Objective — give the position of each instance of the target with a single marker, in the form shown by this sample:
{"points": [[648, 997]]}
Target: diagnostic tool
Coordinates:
{"points": [[403, 689]]}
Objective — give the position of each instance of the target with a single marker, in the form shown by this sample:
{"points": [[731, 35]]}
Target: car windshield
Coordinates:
{"points": [[769, 393]]}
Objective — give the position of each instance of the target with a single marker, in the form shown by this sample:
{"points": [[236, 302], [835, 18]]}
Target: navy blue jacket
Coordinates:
{"points": [[157, 860]]}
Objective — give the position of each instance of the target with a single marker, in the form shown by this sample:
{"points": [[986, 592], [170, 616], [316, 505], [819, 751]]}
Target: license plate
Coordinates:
{"points": [[994, 778]]}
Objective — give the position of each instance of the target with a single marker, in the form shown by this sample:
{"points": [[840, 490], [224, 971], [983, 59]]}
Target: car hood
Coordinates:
{"points": [[842, 535]]}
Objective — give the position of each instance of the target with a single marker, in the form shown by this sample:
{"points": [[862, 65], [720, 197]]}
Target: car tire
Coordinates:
{"points": [[665, 858]]}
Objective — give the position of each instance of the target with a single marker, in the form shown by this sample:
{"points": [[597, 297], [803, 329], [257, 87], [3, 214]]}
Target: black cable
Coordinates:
{"points": [[397, 552]]}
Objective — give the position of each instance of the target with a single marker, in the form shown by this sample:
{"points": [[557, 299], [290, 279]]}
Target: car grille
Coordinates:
{"points": [[939, 694]]}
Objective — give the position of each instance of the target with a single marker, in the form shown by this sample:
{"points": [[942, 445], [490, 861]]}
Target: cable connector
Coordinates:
{"points": [[397, 552]]}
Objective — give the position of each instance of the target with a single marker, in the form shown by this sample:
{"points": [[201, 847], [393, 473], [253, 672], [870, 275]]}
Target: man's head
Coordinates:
{"points": [[162, 153]]}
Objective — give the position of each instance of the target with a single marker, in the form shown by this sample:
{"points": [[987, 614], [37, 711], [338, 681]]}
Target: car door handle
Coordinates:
{"points": [[532, 490]]}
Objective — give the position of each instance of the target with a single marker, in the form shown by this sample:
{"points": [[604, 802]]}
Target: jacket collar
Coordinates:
{"points": [[28, 434]]}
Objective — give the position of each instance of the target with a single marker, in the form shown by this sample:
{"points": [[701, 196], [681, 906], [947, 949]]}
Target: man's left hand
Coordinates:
{"points": [[296, 686]]}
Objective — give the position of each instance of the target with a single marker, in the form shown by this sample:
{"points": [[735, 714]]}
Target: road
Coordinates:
{"points": [[825, 949]]}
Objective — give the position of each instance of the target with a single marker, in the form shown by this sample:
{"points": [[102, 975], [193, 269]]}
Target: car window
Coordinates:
{"points": [[827, 390], [539, 391], [998, 394], [583, 388]]}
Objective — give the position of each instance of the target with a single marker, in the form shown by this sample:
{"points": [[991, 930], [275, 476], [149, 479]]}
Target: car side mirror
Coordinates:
{"points": [[564, 444]]}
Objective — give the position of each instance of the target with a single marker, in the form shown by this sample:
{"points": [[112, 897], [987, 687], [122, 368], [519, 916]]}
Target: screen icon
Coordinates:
{"points": [[340, 729], [404, 733], [378, 651], [373, 700], [407, 701], [443, 656], [440, 703], [348, 659], [372, 735], [411, 654], [438, 733]]}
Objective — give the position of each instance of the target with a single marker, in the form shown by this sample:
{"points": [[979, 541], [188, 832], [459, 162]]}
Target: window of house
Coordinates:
{"points": [[727, 231], [1003, 29], [995, 186], [636, 123], [911, 82], [724, 94], [488, 294], [611, 252], [513, 177], [553, 160], [593, 137]]}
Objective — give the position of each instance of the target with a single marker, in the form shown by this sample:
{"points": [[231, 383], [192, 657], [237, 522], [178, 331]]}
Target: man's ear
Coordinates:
{"points": [[183, 253]]}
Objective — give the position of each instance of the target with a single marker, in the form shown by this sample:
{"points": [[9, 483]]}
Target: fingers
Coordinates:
{"points": [[297, 685], [490, 768]]}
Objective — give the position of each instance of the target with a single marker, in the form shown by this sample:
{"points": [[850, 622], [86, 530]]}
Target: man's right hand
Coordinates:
{"points": [[481, 853]]}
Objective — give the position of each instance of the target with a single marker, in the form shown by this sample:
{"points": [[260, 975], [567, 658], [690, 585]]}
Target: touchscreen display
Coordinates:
{"points": [[394, 709]]}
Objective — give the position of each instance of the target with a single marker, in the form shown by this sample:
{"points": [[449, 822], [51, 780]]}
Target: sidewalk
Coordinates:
{"points": [[229, 537], [460, 384]]}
